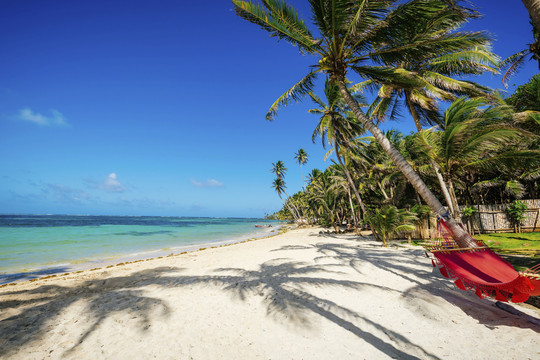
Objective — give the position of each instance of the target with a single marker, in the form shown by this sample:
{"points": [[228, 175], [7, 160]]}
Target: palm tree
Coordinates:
{"points": [[515, 61], [474, 137], [279, 169], [351, 34], [390, 220], [338, 126], [301, 158], [435, 72], [313, 175], [533, 7], [279, 186]]}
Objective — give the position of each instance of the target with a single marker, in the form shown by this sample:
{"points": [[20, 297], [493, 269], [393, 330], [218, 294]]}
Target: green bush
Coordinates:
{"points": [[468, 212], [516, 212]]}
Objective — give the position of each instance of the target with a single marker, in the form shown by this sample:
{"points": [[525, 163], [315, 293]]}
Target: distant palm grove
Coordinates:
{"points": [[472, 146]]}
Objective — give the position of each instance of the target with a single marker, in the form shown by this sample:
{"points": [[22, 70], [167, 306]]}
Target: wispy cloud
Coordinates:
{"points": [[55, 119], [65, 193], [206, 184], [111, 184]]}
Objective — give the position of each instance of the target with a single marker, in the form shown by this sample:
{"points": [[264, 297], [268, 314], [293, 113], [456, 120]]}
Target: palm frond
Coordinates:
{"points": [[370, 85], [476, 60], [279, 20], [514, 188], [295, 93], [514, 62], [458, 87]]}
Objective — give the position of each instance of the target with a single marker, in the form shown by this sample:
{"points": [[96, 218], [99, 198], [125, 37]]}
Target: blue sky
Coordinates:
{"points": [[157, 108]]}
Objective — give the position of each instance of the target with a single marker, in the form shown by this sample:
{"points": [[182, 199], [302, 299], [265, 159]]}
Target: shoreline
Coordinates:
{"points": [[303, 294], [118, 260]]}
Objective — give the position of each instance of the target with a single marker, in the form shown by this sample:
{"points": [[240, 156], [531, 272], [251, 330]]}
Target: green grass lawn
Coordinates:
{"points": [[522, 250]]}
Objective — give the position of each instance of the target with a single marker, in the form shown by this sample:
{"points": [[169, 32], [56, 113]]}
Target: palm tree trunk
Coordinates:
{"points": [[461, 237], [294, 207], [533, 7], [352, 208], [453, 196], [302, 175], [432, 162], [287, 205], [382, 190], [351, 182], [356, 194]]}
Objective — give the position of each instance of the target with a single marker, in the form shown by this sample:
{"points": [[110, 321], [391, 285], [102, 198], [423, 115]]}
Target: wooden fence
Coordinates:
{"points": [[486, 219]]}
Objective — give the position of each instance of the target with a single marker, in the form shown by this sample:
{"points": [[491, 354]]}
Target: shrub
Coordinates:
{"points": [[516, 213]]}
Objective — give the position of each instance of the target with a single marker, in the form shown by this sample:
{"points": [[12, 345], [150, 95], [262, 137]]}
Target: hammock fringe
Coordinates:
{"points": [[482, 270]]}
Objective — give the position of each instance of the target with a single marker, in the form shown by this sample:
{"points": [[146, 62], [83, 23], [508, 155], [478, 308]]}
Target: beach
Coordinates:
{"points": [[303, 294]]}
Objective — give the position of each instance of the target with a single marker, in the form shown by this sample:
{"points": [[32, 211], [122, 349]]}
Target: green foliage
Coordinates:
{"points": [[516, 212], [301, 157], [389, 220], [468, 212], [279, 169], [421, 211], [527, 96]]}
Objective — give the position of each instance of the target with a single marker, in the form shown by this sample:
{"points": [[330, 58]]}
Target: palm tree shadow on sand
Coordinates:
{"points": [[283, 284], [430, 287]]}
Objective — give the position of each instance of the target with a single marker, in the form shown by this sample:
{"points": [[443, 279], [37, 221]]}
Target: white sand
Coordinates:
{"points": [[300, 295]]}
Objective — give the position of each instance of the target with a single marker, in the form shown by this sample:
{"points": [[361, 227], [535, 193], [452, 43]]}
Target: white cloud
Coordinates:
{"points": [[111, 184], [206, 184], [56, 118]]}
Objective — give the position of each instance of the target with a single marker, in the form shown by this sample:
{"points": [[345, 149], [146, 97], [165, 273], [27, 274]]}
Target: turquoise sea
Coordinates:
{"points": [[38, 245]]}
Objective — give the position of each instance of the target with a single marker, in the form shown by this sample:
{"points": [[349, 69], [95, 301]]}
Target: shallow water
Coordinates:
{"points": [[44, 244]]}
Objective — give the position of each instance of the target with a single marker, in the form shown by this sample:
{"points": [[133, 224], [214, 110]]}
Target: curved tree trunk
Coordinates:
{"points": [[351, 182], [533, 7], [287, 205], [453, 196], [356, 193], [302, 175], [432, 162], [352, 208], [460, 235]]}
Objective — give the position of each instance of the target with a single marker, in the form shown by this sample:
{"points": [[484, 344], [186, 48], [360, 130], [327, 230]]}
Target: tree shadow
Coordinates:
{"points": [[432, 288], [285, 286], [23, 276]]}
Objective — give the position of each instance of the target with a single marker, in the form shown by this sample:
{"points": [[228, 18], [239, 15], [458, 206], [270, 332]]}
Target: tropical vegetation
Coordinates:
{"points": [[414, 57]]}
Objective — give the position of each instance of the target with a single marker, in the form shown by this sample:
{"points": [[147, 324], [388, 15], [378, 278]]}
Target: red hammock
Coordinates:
{"points": [[482, 270]]}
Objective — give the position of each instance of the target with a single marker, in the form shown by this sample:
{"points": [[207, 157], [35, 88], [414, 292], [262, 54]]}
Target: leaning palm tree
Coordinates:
{"points": [[338, 127], [436, 73], [474, 138], [301, 158], [358, 36], [279, 186], [515, 61]]}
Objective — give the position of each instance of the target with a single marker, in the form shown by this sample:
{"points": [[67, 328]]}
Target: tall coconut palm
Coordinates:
{"points": [[279, 186], [357, 36], [533, 7], [436, 73], [279, 169], [338, 127], [301, 158], [474, 137]]}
